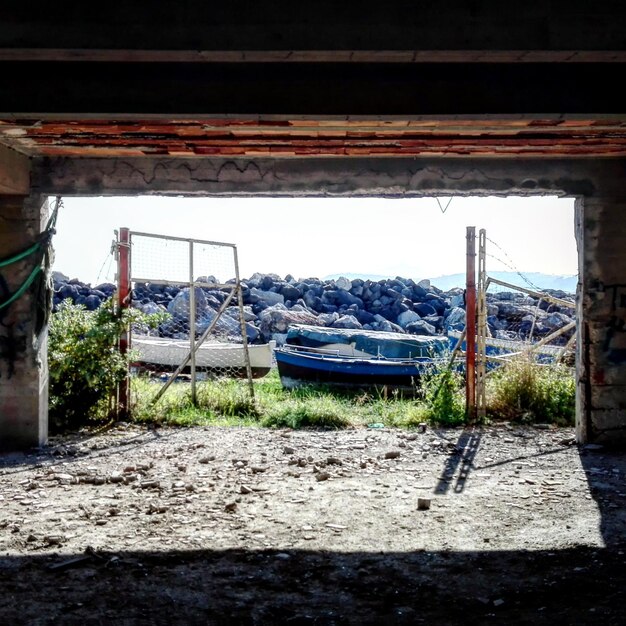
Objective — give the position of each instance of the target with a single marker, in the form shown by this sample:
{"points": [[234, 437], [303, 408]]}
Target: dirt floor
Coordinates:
{"points": [[498, 525]]}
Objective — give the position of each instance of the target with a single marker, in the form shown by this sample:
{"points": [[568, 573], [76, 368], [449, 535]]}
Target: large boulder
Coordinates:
{"points": [[269, 297], [68, 291], [277, 319], [555, 321], [512, 311], [347, 321], [312, 301], [497, 324], [424, 309], [248, 315], [179, 307], [107, 288], [91, 302], [290, 292], [407, 317], [339, 297], [365, 317], [436, 321], [421, 327], [357, 290], [150, 308], [327, 319], [455, 319], [224, 325], [437, 302], [343, 283]]}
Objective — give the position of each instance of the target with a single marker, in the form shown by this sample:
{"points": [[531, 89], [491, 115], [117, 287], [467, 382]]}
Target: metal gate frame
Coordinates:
{"points": [[125, 279]]}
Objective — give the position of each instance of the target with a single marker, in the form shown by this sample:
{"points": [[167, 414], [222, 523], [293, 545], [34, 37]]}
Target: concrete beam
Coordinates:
{"points": [[14, 173], [316, 89], [397, 177]]}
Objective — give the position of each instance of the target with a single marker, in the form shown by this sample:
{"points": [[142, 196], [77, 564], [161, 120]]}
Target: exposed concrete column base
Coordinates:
{"points": [[23, 346], [601, 337]]}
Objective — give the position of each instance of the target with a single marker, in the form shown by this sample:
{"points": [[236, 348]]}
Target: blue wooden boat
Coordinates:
{"points": [[298, 365], [357, 358]]}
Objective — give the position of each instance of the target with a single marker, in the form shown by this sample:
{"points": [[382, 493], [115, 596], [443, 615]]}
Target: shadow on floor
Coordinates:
{"points": [[576, 586]]}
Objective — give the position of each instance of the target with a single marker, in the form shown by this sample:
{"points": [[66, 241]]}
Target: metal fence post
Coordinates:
{"points": [[123, 301], [244, 332], [470, 324], [481, 332], [192, 324]]}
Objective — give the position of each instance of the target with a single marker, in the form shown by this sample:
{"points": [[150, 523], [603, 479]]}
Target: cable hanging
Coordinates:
{"points": [[40, 247], [511, 265], [442, 208]]}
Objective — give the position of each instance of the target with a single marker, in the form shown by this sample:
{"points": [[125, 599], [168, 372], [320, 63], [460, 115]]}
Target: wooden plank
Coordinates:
{"points": [[536, 294]]}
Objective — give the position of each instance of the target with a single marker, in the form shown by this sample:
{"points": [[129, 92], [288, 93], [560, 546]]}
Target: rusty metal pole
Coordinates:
{"points": [[470, 325], [123, 299]]}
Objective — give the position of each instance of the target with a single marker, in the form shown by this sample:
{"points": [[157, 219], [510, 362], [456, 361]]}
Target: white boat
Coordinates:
{"points": [[225, 359]]}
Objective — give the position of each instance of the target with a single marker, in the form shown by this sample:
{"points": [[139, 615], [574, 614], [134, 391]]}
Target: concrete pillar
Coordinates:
{"points": [[601, 234], [23, 333]]}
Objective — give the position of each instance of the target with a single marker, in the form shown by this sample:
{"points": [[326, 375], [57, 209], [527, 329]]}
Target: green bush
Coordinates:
{"points": [[527, 391], [85, 364]]}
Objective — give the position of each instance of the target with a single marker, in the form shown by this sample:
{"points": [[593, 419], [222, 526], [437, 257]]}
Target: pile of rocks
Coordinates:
{"points": [[273, 303]]}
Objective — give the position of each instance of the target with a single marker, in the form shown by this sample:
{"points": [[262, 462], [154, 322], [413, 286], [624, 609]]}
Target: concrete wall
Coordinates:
{"points": [[23, 351], [602, 334]]}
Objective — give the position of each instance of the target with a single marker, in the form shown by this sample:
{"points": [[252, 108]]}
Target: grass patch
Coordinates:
{"points": [[526, 391], [520, 391], [314, 412], [227, 402], [224, 402]]}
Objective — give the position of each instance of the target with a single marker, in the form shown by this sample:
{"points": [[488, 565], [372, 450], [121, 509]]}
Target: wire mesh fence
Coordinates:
{"points": [[517, 321], [528, 313], [192, 287]]}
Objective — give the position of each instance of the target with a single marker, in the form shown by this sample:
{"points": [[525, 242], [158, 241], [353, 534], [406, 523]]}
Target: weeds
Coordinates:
{"points": [[527, 391], [224, 401], [521, 390], [316, 412]]}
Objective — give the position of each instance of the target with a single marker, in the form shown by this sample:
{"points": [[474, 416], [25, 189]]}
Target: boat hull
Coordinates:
{"points": [[218, 359], [300, 367]]}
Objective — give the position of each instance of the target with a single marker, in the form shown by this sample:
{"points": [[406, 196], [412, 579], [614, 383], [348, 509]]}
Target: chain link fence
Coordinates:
{"points": [[194, 287]]}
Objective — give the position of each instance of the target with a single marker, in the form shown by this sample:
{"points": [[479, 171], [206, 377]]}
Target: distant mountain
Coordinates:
{"points": [[538, 280]]}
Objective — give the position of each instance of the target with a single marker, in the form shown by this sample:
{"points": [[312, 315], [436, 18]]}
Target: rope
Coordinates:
{"points": [[41, 245], [20, 255], [25, 285]]}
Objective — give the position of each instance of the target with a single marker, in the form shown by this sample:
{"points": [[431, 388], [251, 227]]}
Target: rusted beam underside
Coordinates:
{"points": [[274, 136]]}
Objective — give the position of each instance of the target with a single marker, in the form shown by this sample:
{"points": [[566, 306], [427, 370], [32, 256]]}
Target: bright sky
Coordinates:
{"points": [[307, 237]]}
